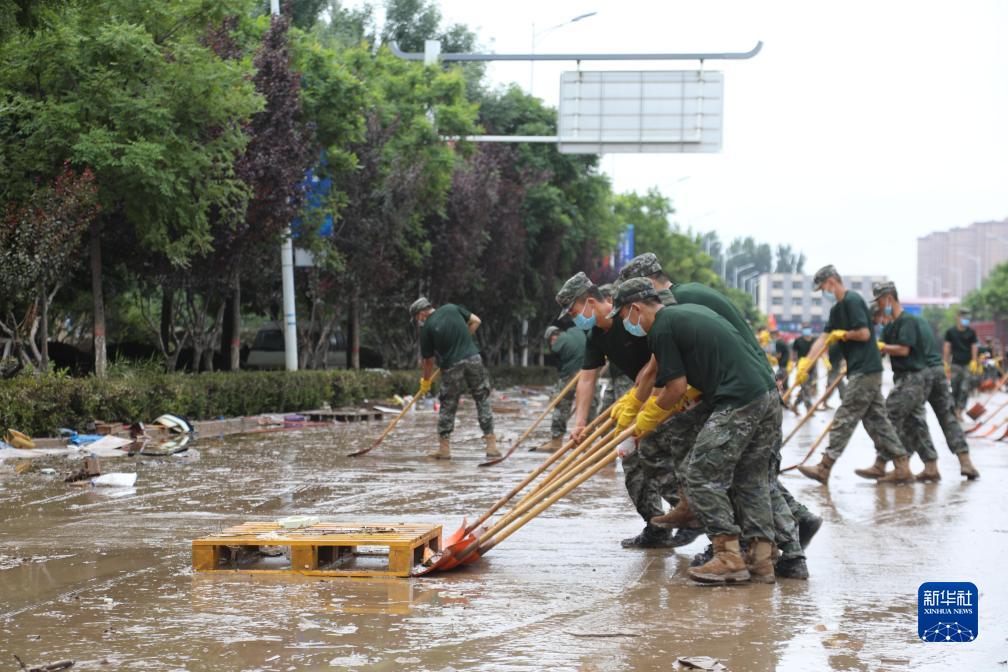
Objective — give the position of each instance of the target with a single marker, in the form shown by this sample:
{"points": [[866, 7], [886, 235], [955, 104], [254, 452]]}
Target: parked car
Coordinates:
{"points": [[267, 351]]}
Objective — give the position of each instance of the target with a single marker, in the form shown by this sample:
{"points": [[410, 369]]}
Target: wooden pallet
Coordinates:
{"points": [[325, 549]]}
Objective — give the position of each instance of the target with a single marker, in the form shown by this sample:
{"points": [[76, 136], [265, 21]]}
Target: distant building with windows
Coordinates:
{"points": [[953, 263], [789, 297]]}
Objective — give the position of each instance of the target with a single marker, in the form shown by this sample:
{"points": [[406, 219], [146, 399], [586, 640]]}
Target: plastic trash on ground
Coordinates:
{"points": [[297, 522], [115, 480]]}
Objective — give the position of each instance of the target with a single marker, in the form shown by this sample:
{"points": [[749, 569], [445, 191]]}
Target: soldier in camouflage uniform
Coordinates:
{"points": [[960, 352], [933, 384], [807, 393], [694, 347], [568, 346], [446, 334], [617, 383], [608, 342], [791, 518], [851, 324]]}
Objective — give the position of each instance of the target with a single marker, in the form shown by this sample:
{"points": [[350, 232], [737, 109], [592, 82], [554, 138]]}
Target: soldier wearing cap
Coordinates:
{"points": [[911, 346], [446, 335], [609, 342], [617, 383], [800, 349], [697, 349], [794, 523], [850, 324], [569, 347], [960, 353]]}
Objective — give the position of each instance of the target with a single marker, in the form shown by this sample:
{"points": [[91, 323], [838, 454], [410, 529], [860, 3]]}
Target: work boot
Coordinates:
{"points": [[877, 470], [727, 566], [819, 472], [807, 528], [704, 556], [791, 568], [678, 516], [551, 446], [901, 471], [686, 535], [491, 446], [966, 467], [650, 537], [930, 472], [759, 561], [444, 449]]}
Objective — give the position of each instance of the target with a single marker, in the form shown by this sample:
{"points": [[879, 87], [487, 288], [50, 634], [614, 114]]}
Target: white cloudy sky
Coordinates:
{"points": [[862, 124]]}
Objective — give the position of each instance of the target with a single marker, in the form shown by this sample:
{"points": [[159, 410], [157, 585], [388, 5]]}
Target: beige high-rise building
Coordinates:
{"points": [[953, 263]]}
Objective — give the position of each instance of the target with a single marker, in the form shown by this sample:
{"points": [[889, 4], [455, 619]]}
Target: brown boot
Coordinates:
{"points": [[819, 472], [966, 467], [901, 471], [930, 472], [679, 516], [877, 470], [759, 561], [491, 446], [551, 446], [444, 449], [727, 566]]}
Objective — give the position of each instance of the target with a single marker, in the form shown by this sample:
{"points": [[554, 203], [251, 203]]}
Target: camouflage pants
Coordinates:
{"points": [[562, 411], [834, 372], [960, 386], [471, 375], [905, 408], [733, 452], [783, 507], [809, 391], [617, 386], [938, 397], [863, 402], [649, 473]]}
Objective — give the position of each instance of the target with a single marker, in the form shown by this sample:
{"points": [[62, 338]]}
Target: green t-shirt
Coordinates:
{"points": [[962, 344], [849, 313], [569, 349], [802, 346], [445, 335], [783, 351], [905, 330], [702, 295], [929, 346], [629, 353], [694, 341], [835, 355]]}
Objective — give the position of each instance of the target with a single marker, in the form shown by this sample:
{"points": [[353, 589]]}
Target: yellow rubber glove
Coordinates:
{"points": [[829, 367], [631, 406], [425, 385], [617, 408], [974, 367], [801, 375], [651, 416], [881, 346], [836, 335], [790, 366], [687, 400], [773, 361]]}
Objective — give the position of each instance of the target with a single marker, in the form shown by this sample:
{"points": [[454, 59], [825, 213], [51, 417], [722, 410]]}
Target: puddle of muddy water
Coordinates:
{"points": [[96, 576]]}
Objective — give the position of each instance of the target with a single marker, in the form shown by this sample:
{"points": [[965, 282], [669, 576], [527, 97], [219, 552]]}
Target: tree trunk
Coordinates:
{"points": [[100, 356], [44, 328], [167, 327], [231, 327], [355, 330]]}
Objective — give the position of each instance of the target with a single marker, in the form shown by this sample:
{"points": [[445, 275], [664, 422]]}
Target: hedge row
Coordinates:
{"points": [[41, 404]]}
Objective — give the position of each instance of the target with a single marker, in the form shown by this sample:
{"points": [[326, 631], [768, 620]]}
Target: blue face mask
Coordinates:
{"points": [[829, 296], [582, 322], [887, 310], [634, 329], [965, 321], [806, 332]]}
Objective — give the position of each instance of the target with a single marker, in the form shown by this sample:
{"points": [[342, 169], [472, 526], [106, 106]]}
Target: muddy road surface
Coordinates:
{"points": [[102, 576]]}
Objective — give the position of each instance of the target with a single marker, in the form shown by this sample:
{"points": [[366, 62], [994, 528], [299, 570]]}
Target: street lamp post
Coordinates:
{"points": [[579, 17], [725, 258], [739, 270], [747, 277]]}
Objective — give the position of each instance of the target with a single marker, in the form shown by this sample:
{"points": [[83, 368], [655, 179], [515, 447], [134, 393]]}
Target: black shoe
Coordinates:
{"points": [[686, 535], [807, 528], [650, 537], [702, 558], [791, 568]]}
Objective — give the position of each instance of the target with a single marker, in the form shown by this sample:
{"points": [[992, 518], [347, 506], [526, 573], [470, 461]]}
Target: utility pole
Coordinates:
{"points": [[287, 275]]}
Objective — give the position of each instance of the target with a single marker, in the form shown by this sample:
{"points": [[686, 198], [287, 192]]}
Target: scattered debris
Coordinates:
{"points": [[174, 423], [297, 522], [47, 471], [115, 480], [51, 667], [700, 663], [90, 469], [18, 440]]}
